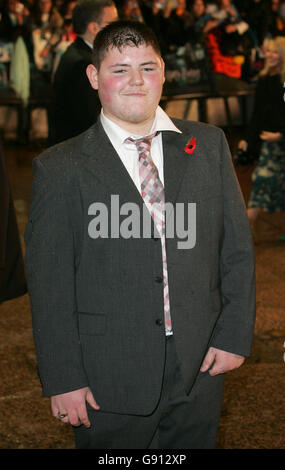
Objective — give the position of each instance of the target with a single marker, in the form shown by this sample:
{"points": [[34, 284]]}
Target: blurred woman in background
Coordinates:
{"points": [[266, 134], [47, 32]]}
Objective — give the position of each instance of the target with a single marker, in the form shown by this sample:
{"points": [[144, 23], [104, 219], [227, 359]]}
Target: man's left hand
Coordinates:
{"points": [[223, 361]]}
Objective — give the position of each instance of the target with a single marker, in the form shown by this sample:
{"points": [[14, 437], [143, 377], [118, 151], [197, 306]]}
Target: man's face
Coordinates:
{"points": [[225, 3], [275, 5], [129, 83], [198, 7], [109, 14], [12, 6], [45, 6]]}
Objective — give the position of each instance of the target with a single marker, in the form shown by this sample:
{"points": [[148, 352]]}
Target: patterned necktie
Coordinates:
{"points": [[152, 192]]}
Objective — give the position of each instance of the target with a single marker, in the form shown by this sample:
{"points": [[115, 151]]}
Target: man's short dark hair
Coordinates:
{"points": [[86, 11], [122, 33]]}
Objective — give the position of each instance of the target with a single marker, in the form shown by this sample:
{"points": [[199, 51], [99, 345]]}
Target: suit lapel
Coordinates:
{"points": [[81, 45], [175, 163], [107, 165]]}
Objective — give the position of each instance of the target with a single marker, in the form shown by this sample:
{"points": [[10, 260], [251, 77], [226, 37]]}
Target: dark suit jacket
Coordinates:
{"points": [[12, 274], [97, 304], [75, 104]]}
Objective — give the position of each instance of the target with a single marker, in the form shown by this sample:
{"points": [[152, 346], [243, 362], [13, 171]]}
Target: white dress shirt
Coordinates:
{"points": [[128, 152]]}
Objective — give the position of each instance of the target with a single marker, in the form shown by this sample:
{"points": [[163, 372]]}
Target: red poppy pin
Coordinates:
{"points": [[191, 145]]}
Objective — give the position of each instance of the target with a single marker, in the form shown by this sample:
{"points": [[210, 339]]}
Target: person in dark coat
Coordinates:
{"points": [[75, 104], [12, 273], [15, 22]]}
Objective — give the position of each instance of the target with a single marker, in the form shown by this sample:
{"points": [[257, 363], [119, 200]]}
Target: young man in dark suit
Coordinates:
{"points": [[135, 328], [75, 105]]}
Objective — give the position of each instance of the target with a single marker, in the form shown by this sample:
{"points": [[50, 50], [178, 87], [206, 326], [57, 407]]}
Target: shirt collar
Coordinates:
{"points": [[88, 43], [162, 122], [118, 135]]}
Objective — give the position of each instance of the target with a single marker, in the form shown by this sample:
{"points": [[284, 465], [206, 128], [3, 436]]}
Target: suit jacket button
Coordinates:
{"points": [[159, 322], [159, 279]]}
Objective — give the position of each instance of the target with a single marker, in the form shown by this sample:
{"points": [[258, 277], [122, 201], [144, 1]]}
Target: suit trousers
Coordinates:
{"points": [[180, 421]]}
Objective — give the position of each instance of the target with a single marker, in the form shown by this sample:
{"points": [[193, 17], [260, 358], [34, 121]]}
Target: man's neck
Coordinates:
{"points": [[89, 39], [142, 128]]}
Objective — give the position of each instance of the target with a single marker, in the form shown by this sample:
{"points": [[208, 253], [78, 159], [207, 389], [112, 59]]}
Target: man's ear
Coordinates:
{"points": [[92, 75], [93, 28]]}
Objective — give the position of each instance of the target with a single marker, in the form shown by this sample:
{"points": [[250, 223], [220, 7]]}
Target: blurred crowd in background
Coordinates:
{"points": [[229, 35], [244, 40]]}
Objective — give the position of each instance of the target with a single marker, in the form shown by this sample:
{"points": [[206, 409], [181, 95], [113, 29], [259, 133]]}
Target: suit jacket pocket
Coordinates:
{"points": [[91, 323]]}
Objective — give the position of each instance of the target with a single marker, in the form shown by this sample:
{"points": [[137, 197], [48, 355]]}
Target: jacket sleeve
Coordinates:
{"points": [[234, 329], [255, 125], [50, 267]]}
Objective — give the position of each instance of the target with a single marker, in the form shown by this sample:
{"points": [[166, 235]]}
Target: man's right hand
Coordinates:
{"points": [[73, 406]]}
